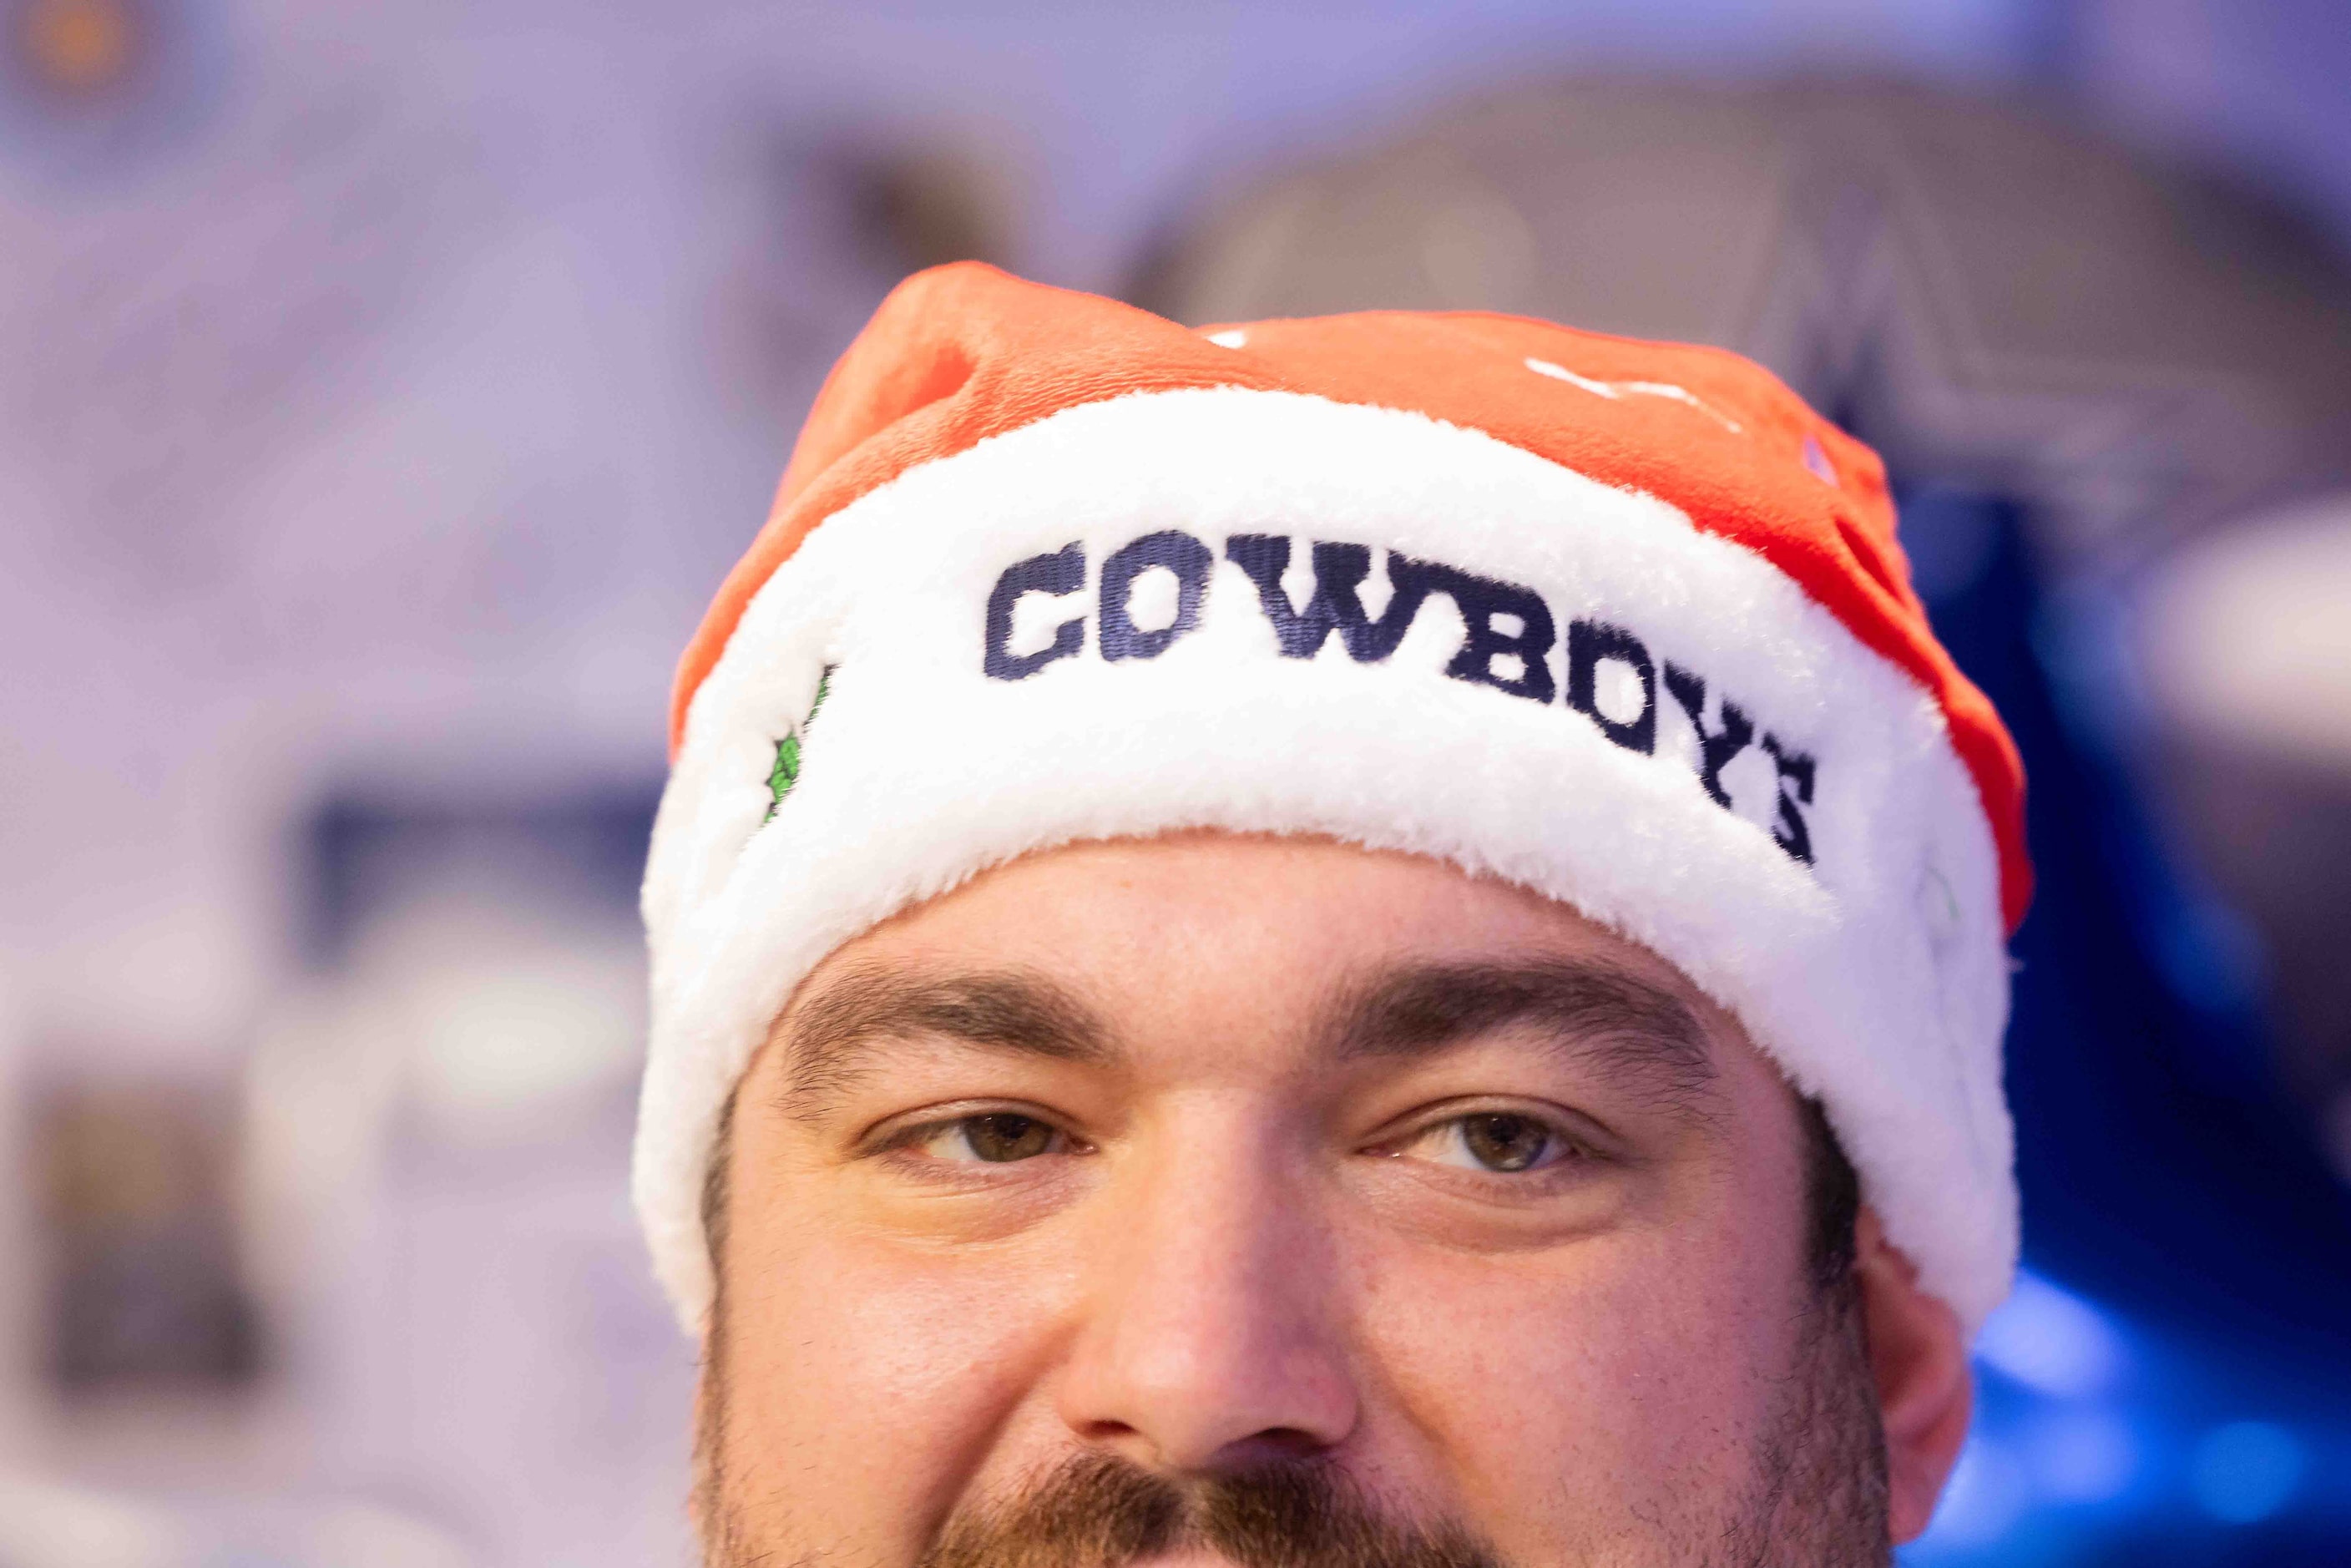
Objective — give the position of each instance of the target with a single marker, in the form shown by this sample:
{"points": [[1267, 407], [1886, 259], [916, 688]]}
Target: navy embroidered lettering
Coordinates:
{"points": [[1716, 750], [1061, 573], [1336, 603], [1510, 632], [1588, 644], [1180, 553], [1481, 599], [1795, 768]]}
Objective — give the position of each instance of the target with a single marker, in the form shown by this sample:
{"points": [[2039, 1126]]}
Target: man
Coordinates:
{"points": [[1366, 943]]}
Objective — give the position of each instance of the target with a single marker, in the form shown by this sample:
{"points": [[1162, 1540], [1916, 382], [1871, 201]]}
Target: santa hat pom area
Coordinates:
{"points": [[1623, 623]]}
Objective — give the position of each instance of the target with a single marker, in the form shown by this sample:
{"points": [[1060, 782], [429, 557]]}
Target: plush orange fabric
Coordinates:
{"points": [[960, 353]]}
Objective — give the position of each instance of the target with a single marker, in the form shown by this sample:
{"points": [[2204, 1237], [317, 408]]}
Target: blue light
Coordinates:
{"points": [[2089, 1457], [2052, 1342], [2246, 1470], [1988, 1492]]}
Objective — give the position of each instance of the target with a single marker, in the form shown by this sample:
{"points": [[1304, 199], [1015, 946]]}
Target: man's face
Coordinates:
{"points": [[1222, 1199]]}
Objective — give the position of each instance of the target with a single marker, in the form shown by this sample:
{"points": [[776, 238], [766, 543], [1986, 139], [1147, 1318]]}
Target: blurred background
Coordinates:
{"points": [[384, 390]]}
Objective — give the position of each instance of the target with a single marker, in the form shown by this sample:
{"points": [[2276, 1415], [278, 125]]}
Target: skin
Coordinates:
{"points": [[1254, 1221]]}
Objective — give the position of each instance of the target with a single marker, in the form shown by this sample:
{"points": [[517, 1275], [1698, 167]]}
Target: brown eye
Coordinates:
{"points": [[1505, 1143], [1502, 1142], [996, 1138], [1003, 1136]]}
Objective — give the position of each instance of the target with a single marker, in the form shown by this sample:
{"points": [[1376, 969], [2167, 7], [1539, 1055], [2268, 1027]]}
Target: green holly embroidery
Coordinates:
{"points": [[787, 771]]}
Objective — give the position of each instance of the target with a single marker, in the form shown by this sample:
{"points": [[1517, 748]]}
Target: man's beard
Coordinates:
{"points": [[1101, 1511], [1817, 1498]]}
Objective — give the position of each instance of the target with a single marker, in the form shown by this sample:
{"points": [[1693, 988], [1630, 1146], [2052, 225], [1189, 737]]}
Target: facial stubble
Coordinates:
{"points": [[1816, 1493]]}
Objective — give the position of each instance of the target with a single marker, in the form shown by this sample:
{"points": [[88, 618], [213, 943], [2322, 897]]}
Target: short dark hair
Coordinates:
{"points": [[714, 1187], [1832, 1198], [1831, 1194]]}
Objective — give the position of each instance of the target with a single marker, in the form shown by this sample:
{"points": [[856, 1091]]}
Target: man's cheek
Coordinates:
{"points": [[867, 1386], [1575, 1391]]}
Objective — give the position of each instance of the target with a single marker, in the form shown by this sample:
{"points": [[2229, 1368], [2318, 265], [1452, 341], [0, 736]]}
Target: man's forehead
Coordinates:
{"points": [[1324, 900], [1038, 959]]}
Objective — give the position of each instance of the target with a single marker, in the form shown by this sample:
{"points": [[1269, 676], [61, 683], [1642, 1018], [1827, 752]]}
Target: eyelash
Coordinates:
{"points": [[904, 1141], [1566, 1151]]}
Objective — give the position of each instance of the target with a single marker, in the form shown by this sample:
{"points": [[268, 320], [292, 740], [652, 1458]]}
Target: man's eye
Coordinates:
{"points": [[1492, 1140], [998, 1137]]}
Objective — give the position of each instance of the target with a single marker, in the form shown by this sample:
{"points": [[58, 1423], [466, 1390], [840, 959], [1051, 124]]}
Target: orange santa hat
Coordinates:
{"points": [[1621, 622]]}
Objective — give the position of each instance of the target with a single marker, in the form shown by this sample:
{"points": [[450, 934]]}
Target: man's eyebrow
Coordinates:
{"points": [[830, 1035], [1598, 1011]]}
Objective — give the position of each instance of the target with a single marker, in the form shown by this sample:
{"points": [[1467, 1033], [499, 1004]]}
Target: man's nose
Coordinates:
{"points": [[1214, 1330]]}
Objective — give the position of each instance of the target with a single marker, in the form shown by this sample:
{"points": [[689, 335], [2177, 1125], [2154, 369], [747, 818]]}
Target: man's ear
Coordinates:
{"points": [[1918, 1359]]}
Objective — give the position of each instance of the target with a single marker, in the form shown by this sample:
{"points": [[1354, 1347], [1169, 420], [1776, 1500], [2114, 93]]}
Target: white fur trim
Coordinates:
{"points": [[1876, 977]]}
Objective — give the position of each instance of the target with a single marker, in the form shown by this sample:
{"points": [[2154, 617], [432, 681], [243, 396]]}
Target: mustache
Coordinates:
{"points": [[1099, 1512]]}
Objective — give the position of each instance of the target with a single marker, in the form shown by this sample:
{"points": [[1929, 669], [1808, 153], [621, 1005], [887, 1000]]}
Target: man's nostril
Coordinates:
{"points": [[1278, 1443]]}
